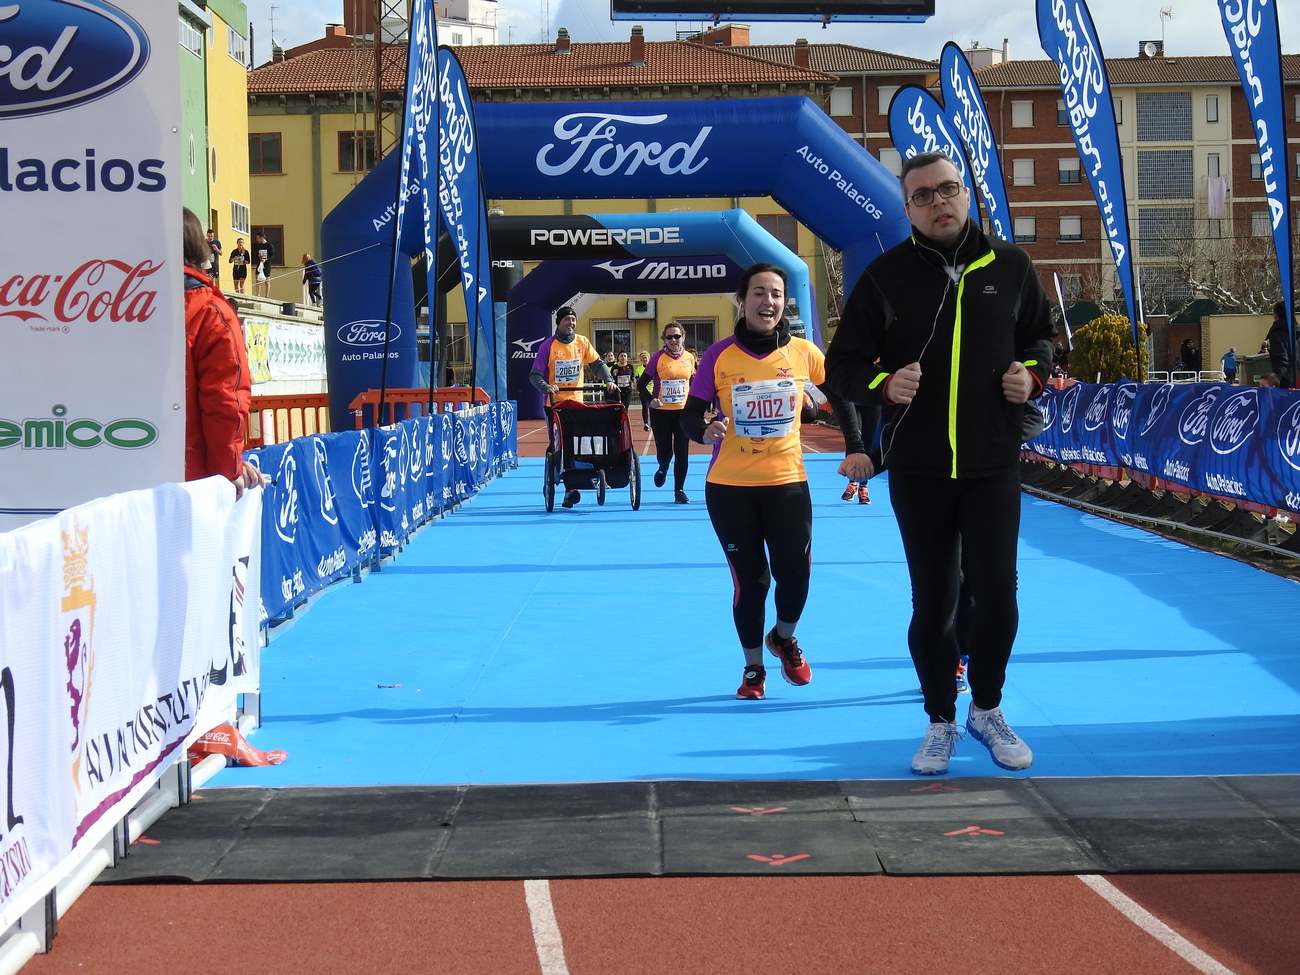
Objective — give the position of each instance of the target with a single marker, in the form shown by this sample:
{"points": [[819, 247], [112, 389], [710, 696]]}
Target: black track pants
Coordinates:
{"points": [[939, 518], [755, 524], [671, 443]]}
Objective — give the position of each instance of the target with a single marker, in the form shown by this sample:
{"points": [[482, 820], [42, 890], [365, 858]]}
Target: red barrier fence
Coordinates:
{"points": [[275, 419], [405, 404]]}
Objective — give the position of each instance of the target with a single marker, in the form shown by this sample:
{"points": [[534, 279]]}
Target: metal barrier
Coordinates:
{"points": [[406, 404], [275, 419]]}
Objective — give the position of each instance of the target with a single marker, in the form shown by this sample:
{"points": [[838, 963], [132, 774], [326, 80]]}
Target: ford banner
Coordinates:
{"points": [[464, 214], [1068, 36], [1251, 29], [917, 125], [964, 106]]}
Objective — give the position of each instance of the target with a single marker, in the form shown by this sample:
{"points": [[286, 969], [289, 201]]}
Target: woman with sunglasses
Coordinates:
{"points": [[757, 488], [669, 371]]}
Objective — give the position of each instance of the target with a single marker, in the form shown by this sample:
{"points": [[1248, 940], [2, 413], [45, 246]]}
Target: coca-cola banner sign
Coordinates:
{"points": [[91, 319], [1240, 443]]}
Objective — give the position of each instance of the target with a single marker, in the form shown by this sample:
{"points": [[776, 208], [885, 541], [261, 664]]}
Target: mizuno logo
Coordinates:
{"points": [[617, 270], [526, 350]]}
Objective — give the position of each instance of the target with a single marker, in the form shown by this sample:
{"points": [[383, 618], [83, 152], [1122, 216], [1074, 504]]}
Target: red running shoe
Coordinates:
{"points": [[864, 496], [751, 683], [794, 668], [849, 491]]}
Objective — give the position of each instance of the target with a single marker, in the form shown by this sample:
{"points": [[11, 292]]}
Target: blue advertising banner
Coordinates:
{"points": [[917, 125], [417, 112], [1233, 442], [964, 105], [464, 214], [1252, 33], [1068, 36]]}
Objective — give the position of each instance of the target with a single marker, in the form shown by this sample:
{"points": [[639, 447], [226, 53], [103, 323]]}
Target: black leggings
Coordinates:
{"points": [[941, 519], [670, 442], [751, 523]]}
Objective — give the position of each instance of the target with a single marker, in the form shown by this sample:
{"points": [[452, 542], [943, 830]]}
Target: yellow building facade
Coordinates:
{"points": [[226, 77]]}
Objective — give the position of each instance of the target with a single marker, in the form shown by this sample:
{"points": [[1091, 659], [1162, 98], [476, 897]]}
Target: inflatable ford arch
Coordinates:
{"points": [[786, 148]]}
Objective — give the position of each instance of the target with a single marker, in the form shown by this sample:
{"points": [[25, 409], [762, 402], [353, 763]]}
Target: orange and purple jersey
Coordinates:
{"points": [[561, 364], [671, 378], [762, 397]]}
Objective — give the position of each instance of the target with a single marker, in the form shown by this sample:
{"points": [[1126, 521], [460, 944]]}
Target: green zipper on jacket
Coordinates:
{"points": [[982, 261]]}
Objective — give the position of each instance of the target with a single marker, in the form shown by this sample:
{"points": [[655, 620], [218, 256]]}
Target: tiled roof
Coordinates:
{"points": [[841, 58], [536, 66], [1129, 71]]}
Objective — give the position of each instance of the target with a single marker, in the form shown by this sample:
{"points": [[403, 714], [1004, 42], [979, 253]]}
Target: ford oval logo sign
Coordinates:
{"points": [[367, 333], [58, 54]]}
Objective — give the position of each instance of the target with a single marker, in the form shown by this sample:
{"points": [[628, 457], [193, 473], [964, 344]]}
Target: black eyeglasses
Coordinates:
{"points": [[673, 338], [926, 194]]}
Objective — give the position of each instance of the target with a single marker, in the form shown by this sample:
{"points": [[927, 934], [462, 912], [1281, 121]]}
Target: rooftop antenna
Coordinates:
{"points": [[546, 20], [274, 8], [1166, 15]]}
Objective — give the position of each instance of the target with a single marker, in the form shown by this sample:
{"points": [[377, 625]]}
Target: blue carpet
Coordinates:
{"points": [[596, 644]]}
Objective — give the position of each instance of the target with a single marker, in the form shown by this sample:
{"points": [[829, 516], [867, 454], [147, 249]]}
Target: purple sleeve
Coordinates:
{"points": [[652, 367], [542, 363], [702, 386]]}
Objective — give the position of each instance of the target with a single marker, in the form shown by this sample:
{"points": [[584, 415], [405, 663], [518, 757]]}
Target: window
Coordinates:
{"points": [[264, 153], [1297, 107], [356, 152], [1071, 228], [1259, 224], [239, 218], [841, 101], [1256, 167], [1164, 116], [1022, 172], [275, 236], [1068, 171], [1022, 115], [1062, 116], [1211, 108], [1162, 230], [884, 95], [894, 162], [1119, 111], [236, 46], [699, 333], [1026, 230], [783, 227], [1164, 174], [456, 344], [194, 161], [1214, 229], [1071, 287], [191, 38], [1212, 164], [457, 38]]}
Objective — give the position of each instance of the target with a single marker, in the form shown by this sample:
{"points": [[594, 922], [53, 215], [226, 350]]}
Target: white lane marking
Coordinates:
{"points": [[546, 932], [1153, 926]]}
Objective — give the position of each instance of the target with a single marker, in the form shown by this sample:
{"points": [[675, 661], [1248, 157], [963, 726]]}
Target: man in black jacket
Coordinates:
{"points": [[952, 334], [1279, 347]]}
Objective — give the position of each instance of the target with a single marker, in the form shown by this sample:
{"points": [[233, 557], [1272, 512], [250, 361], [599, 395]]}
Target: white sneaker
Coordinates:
{"points": [[937, 746], [990, 729]]}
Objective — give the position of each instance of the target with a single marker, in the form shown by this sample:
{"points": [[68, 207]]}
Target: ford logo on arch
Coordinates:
{"points": [[57, 54], [364, 334]]}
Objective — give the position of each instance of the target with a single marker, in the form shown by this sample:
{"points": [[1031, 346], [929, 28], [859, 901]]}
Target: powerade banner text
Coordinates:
{"points": [[1251, 29], [464, 214], [1235, 442], [1068, 36], [91, 309], [917, 125], [964, 106]]}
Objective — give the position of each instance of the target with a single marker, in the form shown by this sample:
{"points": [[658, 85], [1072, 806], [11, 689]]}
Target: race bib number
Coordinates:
{"points": [[625, 380], [567, 372], [765, 409], [672, 390]]}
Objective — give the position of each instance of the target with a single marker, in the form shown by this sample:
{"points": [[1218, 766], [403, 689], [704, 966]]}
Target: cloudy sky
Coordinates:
{"points": [[1122, 24]]}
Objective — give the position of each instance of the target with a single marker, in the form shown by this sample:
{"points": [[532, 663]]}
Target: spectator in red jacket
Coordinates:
{"points": [[218, 384]]}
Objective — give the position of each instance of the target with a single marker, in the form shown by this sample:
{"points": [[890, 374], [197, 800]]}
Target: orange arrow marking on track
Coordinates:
{"points": [[778, 859], [975, 831], [937, 787], [758, 810]]}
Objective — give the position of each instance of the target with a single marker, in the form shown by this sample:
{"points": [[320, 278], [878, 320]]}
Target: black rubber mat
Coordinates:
{"points": [[910, 826]]}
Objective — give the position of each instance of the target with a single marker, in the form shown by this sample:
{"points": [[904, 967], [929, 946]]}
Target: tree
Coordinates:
{"points": [[1105, 345]]}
